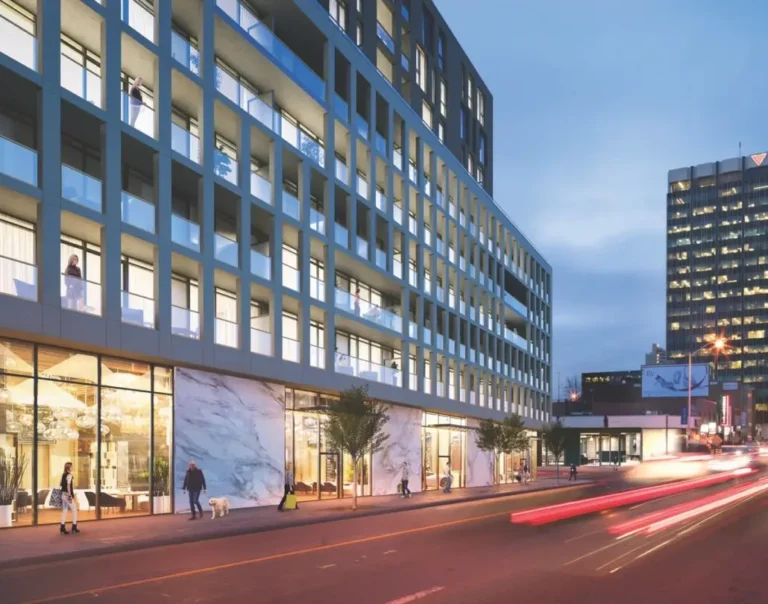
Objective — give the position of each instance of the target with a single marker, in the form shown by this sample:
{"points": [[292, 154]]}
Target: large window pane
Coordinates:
{"points": [[60, 364], [16, 435], [66, 432], [16, 357], [121, 373], [164, 380], [163, 448], [306, 440]]}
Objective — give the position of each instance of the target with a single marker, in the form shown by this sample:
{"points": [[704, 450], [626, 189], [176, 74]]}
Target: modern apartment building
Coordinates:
{"points": [[717, 268], [213, 218]]}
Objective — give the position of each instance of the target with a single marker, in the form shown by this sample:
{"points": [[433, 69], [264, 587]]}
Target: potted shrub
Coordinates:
{"points": [[11, 472], [161, 490]]}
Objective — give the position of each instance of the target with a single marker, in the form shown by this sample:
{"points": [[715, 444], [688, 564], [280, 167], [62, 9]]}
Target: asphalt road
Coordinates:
{"points": [[463, 553]]}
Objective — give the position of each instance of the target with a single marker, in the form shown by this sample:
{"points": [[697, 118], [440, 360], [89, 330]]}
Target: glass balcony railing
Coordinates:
{"points": [[275, 48], [310, 147], [227, 333], [185, 322], [512, 336], [18, 161], [291, 278], [413, 278], [413, 330], [413, 382], [18, 279], [139, 18], [261, 265], [451, 346], [18, 44], [515, 304], [80, 81], [185, 232], [342, 107], [138, 310], [367, 370], [246, 99], [413, 225], [361, 126], [383, 35], [80, 295], [138, 212], [361, 247], [224, 166], [381, 201], [404, 62], [261, 342], [291, 350], [261, 188], [397, 158], [463, 351], [427, 336], [427, 236], [341, 235], [397, 268], [317, 356], [185, 143], [365, 310], [186, 54], [397, 212], [225, 249], [412, 173], [316, 221], [362, 186], [138, 115], [291, 206], [81, 188], [381, 259], [342, 172], [317, 289], [380, 143]]}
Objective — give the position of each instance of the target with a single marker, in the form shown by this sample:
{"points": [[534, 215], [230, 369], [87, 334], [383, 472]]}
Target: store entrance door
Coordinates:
{"points": [[441, 461], [329, 475]]}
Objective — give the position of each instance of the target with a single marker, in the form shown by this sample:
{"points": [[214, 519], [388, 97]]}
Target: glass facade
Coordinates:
{"points": [[444, 440], [112, 418]]}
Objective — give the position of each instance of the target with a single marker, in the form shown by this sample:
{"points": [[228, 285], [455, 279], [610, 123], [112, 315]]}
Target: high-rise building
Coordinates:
{"points": [[717, 268], [215, 215], [657, 356]]}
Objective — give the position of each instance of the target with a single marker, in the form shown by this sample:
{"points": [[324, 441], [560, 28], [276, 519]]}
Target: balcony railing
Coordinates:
{"points": [[185, 232], [381, 201], [381, 259], [225, 249], [515, 338], [291, 278], [185, 143], [380, 143], [185, 322], [340, 235], [80, 81], [303, 142], [186, 54], [18, 44], [139, 18], [227, 333], [342, 107], [138, 310], [397, 268], [138, 212], [80, 295], [367, 370], [261, 342], [397, 158], [404, 62], [274, 47], [261, 188], [138, 115], [362, 247], [18, 279], [361, 126], [365, 310], [316, 221], [362, 186], [515, 304], [291, 350], [317, 289], [317, 356], [18, 161], [224, 166], [246, 99], [81, 188], [342, 171], [261, 265], [384, 36], [291, 206], [397, 213]]}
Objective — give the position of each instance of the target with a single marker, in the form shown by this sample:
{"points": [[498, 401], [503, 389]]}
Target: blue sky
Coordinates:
{"points": [[594, 101]]}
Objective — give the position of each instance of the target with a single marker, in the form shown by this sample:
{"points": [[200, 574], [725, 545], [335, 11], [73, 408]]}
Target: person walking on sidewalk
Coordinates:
{"points": [[290, 488], [68, 499], [405, 491], [194, 482], [572, 475], [526, 473], [448, 477]]}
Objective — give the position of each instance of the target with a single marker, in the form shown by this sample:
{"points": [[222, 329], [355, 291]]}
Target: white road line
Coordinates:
{"points": [[418, 595], [390, 551], [617, 558], [653, 549], [583, 536], [327, 566], [593, 552]]}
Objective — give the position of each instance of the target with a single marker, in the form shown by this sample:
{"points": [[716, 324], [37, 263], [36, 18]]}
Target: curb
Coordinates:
{"points": [[234, 532]]}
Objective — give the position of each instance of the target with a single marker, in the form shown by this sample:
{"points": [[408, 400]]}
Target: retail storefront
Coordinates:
{"points": [[444, 441], [111, 417]]}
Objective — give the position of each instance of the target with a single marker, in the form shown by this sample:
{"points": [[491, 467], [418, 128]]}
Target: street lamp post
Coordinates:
{"points": [[718, 344]]}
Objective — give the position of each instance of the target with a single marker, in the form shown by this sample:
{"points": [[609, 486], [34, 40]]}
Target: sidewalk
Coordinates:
{"points": [[40, 544]]}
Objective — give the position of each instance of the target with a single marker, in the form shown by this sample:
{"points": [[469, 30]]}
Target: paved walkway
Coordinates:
{"points": [[23, 546]]}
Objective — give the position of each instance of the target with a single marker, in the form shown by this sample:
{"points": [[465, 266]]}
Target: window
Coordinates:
{"points": [[482, 148], [421, 69], [480, 176], [463, 124], [441, 132], [426, 113], [359, 34], [470, 93], [427, 25], [359, 7], [481, 108], [338, 12], [470, 164], [441, 51], [443, 98]]}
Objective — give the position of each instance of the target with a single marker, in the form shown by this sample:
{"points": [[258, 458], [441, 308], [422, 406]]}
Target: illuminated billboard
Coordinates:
{"points": [[672, 380]]}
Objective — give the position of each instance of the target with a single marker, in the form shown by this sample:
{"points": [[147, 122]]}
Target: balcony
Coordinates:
{"points": [[185, 232], [413, 330], [139, 18], [361, 247], [383, 35], [380, 143], [224, 166], [274, 48], [342, 171], [261, 342], [381, 201], [184, 53], [80, 81], [138, 213], [227, 333], [138, 310], [138, 115], [316, 221], [18, 279], [80, 188], [341, 106], [291, 278], [80, 295], [367, 311], [515, 304], [397, 213], [185, 143], [225, 249], [404, 62], [317, 357], [317, 289], [362, 186], [367, 370], [291, 350], [397, 158], [341, 235], [361, 126], [515, 338], [397, 268], [18, 44], [261, 188], [413, 225], [185, 322], [313, 149], [291, 206], [412, 173], [18, 161], [381, 259], [246, 99], [261, 265], [413, 278]]}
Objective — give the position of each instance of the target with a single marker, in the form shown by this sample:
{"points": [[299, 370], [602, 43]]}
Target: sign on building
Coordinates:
{"points": [[672, 380]]}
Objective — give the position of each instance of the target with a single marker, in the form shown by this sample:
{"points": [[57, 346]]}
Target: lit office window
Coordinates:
{"points": [[463, 124], [482, 149], [421, 69], [441, 131], [481, 107], [426, 113], [359, 34], [443, 98], [338, 12], [441, 51], [470, 91], [470, 164]]}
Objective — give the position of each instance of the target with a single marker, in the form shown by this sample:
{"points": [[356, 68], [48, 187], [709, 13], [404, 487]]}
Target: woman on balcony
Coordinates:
{"points": [[135, 101], [73, 279]]}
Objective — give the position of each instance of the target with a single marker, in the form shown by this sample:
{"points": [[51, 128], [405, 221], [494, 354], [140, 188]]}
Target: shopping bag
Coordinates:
{"points": [[290, 502], [399, 488], [55, 501]]}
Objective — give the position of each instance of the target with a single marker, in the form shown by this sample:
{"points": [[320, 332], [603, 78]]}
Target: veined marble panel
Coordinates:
{"points": [[404, 444], [234, 430], [480, 464]]}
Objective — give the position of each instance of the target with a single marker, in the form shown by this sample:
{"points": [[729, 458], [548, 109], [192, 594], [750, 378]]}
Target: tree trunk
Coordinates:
{"points": [[557, 470], [354, 486]]}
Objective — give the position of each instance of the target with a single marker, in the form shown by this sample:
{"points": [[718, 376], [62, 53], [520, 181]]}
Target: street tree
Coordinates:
{"points": [[507, 436], [554, 439], [355, 425]]}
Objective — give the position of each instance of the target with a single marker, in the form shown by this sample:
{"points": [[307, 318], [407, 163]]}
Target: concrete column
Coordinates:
{"points": [[276, 304], [244, 235], [305, 176]]}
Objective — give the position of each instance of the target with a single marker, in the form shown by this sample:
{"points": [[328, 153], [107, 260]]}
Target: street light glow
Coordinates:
{"points": [[719, 343]]}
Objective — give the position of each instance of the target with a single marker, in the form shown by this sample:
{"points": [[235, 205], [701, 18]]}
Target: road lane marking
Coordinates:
{"points": [[654, 548], [390, 551], [327, 566], [592, 553], [94, 591], [617, 558], [418, 595]]}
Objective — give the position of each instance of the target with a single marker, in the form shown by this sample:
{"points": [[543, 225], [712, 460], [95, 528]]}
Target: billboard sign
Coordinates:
{"points": [[660, 381]]}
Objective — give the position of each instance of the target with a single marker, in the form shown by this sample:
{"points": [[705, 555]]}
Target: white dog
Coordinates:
{"points": [[219, 506]]}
